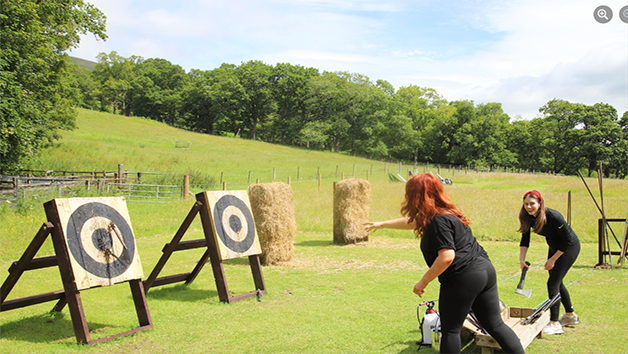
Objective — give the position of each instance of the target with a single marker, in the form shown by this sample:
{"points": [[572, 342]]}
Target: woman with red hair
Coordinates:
{"points": [[467, 277], [564, 248]]}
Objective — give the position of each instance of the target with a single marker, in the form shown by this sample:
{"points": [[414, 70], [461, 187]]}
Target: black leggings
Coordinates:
{"points": [[556, 276], [475, 289]]}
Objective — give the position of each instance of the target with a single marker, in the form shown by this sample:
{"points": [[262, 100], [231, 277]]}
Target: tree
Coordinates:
{"points": [[257, 100], [115, 74], [35, 96], [156, 90], [289, 87], [210, 102]]}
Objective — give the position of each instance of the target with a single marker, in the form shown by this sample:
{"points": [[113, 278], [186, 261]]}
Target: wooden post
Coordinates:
{"points": [[319, 181], [224, 186], [274, 173], [353, 170], [569, 208], [222, 174], [186, 186], [336, 171], [289, 180], [367, 175], [298, 173], [120, 173], [343, 176], [249, 180]]}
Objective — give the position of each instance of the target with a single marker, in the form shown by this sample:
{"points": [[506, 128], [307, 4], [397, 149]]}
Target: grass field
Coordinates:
{"points": [[328, 298]]}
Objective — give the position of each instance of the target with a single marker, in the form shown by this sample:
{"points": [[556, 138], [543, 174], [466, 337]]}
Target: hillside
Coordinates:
{"points": [[83, 63], [102, 141]]}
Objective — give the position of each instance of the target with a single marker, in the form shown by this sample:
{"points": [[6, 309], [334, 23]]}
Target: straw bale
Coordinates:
{"points": [[273, 210], [351, 209]]}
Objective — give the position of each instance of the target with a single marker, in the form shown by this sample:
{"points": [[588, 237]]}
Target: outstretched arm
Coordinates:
{"points": [[400, 224]]}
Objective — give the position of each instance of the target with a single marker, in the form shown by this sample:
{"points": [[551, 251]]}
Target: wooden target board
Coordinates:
{"points": [[232, 222], [100, 240]]}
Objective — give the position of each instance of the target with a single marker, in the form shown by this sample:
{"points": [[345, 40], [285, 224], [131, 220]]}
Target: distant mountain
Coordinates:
{"points": [[87, 64]]}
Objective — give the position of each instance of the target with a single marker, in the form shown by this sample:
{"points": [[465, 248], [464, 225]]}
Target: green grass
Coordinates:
{"points": [[328, 298]]}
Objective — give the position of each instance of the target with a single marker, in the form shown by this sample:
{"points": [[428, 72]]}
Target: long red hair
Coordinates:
{"points": [[425, 198]]}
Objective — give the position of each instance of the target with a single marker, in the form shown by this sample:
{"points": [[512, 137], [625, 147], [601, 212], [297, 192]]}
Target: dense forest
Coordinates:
{"points": [[293, 105]]}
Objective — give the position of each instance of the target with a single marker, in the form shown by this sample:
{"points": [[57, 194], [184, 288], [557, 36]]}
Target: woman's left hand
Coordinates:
{"points": [[549, 265], [419, 288]]}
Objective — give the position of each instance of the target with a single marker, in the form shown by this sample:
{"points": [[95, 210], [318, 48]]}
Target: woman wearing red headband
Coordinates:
{"points": [[467, 277], [564, 248]]}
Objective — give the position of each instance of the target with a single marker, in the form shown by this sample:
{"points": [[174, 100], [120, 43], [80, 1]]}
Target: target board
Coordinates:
{"points": [[232, 222], [100, 240]]}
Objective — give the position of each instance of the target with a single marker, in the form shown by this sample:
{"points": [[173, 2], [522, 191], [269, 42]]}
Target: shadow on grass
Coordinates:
{"points": [[45, 328], [468, 346], [180, 292]]}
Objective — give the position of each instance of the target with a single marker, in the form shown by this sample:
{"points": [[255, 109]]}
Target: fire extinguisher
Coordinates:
{"points": [[429, 324]]}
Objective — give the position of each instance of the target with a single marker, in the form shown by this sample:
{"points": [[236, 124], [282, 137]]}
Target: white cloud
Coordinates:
{"points": [[521, 53]]}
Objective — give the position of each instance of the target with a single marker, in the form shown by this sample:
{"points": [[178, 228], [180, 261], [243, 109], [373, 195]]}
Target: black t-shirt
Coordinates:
{"points": [[558, 234], [447, 231]]}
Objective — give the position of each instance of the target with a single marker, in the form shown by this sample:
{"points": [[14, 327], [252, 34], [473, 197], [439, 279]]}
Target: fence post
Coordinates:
{"points": [[186, 186], [120, 173], [249, 180], [353, 170], [298, 173], [224, 186], [274, 173]]}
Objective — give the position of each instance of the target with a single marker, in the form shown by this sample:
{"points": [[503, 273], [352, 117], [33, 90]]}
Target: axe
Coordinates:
{"points": [[519, 290]]}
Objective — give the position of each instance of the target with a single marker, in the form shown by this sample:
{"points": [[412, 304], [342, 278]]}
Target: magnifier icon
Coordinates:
{"points": [[601, 13]]}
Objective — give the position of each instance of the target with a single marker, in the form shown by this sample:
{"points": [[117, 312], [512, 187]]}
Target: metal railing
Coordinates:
{"points": [[146, 192]]}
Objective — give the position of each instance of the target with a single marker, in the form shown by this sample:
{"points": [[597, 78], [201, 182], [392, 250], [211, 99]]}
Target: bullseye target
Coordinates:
{"points": [[233, 224], [100, 240]]}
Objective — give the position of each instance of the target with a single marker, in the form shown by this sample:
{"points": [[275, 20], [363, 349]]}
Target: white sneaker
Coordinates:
{"points": [[569, 320], [553, 328]]}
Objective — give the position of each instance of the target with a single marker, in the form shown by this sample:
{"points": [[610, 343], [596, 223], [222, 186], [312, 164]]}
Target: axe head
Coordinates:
{"points": [[526, 293]]}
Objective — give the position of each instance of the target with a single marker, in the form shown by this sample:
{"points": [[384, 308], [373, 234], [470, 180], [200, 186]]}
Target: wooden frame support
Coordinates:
{"points": [[603, 244], [217, 267], [211, 254], [70, 295], [177, 245]]}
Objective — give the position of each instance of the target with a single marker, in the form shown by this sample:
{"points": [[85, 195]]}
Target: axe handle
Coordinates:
{"points": [[523, 276]]}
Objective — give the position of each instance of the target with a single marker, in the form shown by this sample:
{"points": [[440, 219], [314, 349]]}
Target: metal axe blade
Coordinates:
{"points": [[519, 290]]}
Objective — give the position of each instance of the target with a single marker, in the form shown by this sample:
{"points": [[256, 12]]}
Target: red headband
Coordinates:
{"points": [[535, 193]]}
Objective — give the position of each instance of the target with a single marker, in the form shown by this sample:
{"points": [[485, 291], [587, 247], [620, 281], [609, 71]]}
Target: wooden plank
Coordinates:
{"points": [[31, 300], [36, 263], [525, 333]]}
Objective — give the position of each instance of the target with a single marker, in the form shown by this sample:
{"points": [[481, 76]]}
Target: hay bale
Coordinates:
{"points": [[351, 209], [273, 211]]}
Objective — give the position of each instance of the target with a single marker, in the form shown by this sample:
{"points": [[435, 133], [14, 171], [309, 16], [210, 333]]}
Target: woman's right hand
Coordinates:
{"points": [[372, 226], [523, 264]]}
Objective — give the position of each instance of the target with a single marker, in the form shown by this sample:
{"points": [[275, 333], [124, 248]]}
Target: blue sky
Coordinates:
{"points": [[521, 53]]}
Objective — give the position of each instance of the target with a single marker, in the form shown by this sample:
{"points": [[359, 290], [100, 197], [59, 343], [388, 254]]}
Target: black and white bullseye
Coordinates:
{"points": [[234, 223], [100, 240]]}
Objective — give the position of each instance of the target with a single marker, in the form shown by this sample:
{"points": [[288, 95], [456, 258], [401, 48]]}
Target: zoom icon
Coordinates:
{"points": [[603, 14], [623, 14]]}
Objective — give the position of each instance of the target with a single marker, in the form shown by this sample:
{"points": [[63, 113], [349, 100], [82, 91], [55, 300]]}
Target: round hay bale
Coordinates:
{"points": [[273, 210], [351, 209]]}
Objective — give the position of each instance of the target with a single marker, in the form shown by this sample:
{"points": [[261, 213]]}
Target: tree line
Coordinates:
{"points": [[284, 104], [348, 112]]}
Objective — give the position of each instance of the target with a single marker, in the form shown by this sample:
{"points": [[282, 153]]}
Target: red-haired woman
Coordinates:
{"points": [[564, 248], [467, 277]]}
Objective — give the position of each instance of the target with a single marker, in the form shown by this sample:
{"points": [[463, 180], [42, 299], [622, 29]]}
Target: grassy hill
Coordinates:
{"points": [[83, 63], [102, 141]]}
